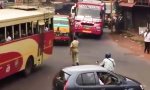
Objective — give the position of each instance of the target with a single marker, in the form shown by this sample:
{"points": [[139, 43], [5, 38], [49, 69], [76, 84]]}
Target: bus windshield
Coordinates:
{"points": [[61, 21], [94, 13]]}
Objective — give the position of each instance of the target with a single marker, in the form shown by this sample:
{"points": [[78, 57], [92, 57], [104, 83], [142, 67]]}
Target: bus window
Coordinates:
{"points": [[23, 30], [47, 22], [16, 31], [41, 26], [2, 34], [35, 27], [29, 28], [51, 24], [9, 33]]}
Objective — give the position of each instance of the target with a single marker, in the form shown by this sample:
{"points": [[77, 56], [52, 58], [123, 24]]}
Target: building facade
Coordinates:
{"points": [[136, 13]]}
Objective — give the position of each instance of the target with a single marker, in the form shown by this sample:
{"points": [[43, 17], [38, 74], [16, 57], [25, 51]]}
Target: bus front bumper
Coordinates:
{"points": [[93, 32], [62, 38]]}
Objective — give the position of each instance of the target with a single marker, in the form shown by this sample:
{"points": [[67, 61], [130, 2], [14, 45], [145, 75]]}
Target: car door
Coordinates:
{"points": [[87, 81], [110, 80]]}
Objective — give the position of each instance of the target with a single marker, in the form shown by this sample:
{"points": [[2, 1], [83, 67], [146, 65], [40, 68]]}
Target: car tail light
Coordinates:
{"points": [[66, 85]]}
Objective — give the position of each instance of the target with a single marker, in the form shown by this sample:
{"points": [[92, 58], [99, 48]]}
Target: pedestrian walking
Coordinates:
{"points": [[74, 51], [110, 23], [108, 62], [147, 41], [117, 24], [121, 23]]}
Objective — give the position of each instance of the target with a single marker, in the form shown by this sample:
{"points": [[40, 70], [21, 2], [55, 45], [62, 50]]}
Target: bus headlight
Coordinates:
{"points": [[98, 28]]}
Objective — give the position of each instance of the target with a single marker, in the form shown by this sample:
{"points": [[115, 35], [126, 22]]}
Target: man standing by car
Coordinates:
{"points": [[74, 51], [108, 62]]}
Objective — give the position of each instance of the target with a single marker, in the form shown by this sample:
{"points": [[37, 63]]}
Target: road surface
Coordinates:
{"points": [[91, 50]]}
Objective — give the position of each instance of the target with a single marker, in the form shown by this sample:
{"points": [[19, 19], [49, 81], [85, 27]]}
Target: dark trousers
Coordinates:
{"points": [[147, 47]]}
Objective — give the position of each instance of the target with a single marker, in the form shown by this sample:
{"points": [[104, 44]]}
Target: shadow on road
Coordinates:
{"points": [[65, 44], [11, 79], [17, 77], [105, 35]]}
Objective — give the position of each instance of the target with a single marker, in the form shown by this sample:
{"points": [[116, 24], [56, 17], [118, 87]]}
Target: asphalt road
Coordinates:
{"points": [[91, 50]]}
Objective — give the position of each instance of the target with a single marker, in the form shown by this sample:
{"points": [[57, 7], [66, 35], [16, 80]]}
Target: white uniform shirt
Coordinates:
{"points": [[8, 38], [147, 38], [109, 64], [46, 29], [74, 44], [100, 82]]}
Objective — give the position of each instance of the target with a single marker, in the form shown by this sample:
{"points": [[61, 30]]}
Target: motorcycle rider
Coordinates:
{"points": [[108, 62]]}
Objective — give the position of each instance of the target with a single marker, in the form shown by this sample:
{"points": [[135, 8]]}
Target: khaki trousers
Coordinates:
{"points": [[75, 58]]}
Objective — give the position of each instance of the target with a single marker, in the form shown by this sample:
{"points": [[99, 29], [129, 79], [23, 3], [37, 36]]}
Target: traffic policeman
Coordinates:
{"points": [[74, 51]]}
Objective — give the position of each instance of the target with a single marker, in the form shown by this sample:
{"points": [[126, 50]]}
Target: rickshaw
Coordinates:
{"points": [[62, 29]]}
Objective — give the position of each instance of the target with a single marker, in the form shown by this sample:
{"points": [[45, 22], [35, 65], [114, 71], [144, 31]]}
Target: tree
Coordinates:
{"points": [[117, 7]]}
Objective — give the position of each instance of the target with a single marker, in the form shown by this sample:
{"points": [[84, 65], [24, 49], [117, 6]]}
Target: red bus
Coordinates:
{"points": [[23, 42], [88, 17]]}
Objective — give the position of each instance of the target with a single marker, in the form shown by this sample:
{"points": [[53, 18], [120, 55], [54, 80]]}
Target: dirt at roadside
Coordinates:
{"points": [[131, 41]]}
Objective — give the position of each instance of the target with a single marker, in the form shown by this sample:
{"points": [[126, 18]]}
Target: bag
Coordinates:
{"points": [[112, 62], [102, 65]]}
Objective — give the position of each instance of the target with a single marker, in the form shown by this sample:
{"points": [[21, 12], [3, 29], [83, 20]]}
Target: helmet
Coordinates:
{"points": [[108, 55]]}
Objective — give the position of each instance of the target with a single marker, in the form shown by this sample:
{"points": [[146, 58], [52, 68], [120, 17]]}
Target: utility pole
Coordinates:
{"points": [[111, 16], [111, 7]]}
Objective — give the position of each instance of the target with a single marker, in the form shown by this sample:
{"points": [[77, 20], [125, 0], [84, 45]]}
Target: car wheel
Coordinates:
{"points": [[98, 36]]}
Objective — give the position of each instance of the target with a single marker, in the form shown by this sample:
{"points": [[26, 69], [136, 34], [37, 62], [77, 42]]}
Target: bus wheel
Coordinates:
{"points": [[29, 67], [99, 36]]}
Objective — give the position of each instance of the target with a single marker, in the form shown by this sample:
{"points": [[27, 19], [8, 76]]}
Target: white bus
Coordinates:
{"points": [[23, 42]]}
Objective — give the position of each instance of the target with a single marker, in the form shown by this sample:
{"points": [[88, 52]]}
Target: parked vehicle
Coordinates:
{"points": [[88, 18], [62, 29], [87, 77]]}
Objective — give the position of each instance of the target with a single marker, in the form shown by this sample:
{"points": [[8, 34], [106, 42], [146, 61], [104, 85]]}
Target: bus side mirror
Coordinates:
{"points": [[73, 11], [51, 25]]}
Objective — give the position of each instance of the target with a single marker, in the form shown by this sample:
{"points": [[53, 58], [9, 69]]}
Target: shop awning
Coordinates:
{"points": [[123, 4]]}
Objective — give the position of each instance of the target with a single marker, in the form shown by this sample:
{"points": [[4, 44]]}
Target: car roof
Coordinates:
{"points": [[91, 2], [83, 68]]}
